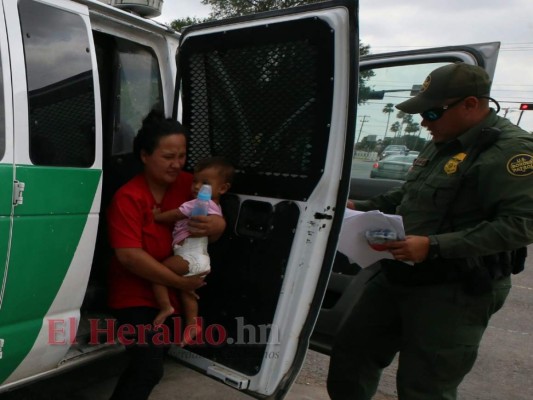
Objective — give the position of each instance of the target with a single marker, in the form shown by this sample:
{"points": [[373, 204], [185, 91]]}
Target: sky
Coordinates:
{"points": [[392, 25]]}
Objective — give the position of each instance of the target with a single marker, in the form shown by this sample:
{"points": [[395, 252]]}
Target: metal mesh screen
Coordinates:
{"points": [[62, 123], [261, 98]]}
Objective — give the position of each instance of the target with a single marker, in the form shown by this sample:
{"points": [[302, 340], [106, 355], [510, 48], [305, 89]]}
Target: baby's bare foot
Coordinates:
{"points": [[164, 313], [191, 334]]}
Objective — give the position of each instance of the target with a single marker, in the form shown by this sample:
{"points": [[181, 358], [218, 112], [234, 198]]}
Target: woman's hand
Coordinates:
{"points": [[190, 283], [139, 262], [211, 226]]}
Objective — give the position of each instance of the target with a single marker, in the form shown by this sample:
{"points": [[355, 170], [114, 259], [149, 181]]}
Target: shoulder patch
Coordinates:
{"points": [[520, 165]]}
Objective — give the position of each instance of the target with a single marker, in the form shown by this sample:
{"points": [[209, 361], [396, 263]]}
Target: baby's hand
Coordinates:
{"points": [[156, 211], [168, 217]]}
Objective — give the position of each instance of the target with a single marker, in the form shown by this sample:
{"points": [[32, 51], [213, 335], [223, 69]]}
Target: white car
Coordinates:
{"points": [[394, 149]]}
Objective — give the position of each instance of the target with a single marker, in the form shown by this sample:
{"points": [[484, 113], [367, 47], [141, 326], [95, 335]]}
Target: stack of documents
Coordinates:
{"points": [[352, 240]]}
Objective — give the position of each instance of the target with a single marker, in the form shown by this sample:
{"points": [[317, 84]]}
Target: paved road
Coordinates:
{"points": [[361, 168], [505, 361]]}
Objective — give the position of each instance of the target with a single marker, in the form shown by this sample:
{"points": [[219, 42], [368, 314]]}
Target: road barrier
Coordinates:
{"points": [[366, 155]]}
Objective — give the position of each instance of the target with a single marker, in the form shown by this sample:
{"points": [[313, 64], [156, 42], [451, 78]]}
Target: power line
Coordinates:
{"points": [[503, 45]]}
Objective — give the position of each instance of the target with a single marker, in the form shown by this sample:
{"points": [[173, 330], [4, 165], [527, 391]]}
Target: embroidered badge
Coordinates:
{"points": [[451, 165], [426, 84], [520, 165]]}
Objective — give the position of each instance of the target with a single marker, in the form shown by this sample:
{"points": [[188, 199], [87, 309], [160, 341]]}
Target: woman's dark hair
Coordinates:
{"points": [[155, 126]]}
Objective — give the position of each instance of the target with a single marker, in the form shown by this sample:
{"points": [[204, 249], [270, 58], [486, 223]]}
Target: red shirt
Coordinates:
{"points": [[131, 225]]}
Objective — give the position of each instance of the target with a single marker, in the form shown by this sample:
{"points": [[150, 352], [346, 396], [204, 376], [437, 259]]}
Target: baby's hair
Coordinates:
{"points": [[154, 127], [225, 167]]}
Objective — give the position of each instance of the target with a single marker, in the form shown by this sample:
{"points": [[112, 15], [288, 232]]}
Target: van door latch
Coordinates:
{"points": [[323, 216], [18, 190]]}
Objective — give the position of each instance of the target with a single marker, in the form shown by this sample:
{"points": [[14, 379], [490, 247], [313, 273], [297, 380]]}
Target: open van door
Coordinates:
{"points": [[389, 79], [275, 93]]}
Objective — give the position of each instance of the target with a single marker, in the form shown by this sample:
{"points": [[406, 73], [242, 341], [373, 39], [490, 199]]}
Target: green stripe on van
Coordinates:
{"points": [[46, 232]]}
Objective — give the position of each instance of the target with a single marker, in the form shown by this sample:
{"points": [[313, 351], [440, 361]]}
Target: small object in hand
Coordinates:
{"points": [[377, 238]]}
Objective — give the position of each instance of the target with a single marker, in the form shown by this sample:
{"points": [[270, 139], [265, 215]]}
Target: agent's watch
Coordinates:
{"points": [[434, 248]]}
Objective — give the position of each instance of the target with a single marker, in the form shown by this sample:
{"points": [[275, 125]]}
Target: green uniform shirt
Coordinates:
{"points": [[493, 209]]}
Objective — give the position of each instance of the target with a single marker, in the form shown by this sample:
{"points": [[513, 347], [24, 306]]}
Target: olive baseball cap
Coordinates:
{"points": [[448, 82]]}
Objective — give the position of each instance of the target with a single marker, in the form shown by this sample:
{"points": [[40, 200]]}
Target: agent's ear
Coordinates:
{"points": [[471, 102], [225, 187]]}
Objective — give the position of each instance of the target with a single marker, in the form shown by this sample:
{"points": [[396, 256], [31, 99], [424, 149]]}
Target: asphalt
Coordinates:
{"points": [[180, 382], [502, 371], [97, 380]]}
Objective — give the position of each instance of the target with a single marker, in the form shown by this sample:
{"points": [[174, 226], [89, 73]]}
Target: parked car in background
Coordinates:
{"points": [[394, 149], [393, 167], [414, 153]]}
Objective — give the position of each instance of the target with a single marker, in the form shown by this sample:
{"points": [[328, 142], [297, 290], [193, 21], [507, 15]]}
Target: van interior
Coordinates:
{"points": [[236, 103]]}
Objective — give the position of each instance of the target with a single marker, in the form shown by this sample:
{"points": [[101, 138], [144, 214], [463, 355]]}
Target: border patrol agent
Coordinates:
{"points": [[467, 207]]}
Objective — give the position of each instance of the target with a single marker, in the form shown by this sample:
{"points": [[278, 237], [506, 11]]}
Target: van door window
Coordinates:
{"points": [[60, 86], [382, 130], [139, 91]]}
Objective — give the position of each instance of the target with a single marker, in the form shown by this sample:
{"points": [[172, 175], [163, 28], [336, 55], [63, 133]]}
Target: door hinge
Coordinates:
{"points": [[18, 190]]}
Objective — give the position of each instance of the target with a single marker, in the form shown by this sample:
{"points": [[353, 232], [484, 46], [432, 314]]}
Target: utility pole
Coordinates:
{"points": [[519, 118], [362, 120]]}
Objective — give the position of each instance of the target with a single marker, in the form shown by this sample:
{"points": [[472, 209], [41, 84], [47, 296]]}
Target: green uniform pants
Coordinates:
{"points": [[437, 330]]}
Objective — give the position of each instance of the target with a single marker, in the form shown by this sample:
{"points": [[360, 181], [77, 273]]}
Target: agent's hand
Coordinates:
{"points": [[350, 204], [413, 248]]}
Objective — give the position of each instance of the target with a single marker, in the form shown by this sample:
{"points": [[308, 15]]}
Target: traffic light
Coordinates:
{"points": [[526, 106]]}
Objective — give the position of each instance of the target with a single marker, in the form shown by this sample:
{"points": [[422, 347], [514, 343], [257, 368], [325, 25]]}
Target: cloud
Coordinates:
{"points": [[389, 25], [173, 9]]}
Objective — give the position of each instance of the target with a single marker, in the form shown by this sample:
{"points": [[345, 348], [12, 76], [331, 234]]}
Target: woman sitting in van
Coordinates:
{"points": [[141, 246]]}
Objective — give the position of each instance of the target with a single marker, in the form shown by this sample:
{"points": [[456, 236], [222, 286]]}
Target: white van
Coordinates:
{"points": [[276, 93], [270, 94]]}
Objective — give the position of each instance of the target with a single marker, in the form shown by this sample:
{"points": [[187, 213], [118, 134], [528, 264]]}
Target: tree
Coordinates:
{"points": [[225, 9], [412, 127], [386, 142], [414, 143], [364, 76], [406, 120], [395, 127], [179, 24], [388, 109], [400, 115]]}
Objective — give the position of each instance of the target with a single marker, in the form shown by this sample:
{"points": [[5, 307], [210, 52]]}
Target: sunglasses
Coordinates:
{"points": [[435, 113]]}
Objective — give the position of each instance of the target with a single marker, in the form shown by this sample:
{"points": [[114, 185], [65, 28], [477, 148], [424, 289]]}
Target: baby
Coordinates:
{"points": [[218, 173]]}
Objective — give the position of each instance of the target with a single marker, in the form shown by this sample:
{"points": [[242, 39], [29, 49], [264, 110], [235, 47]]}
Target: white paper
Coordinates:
{"points": [[352, 240]]}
